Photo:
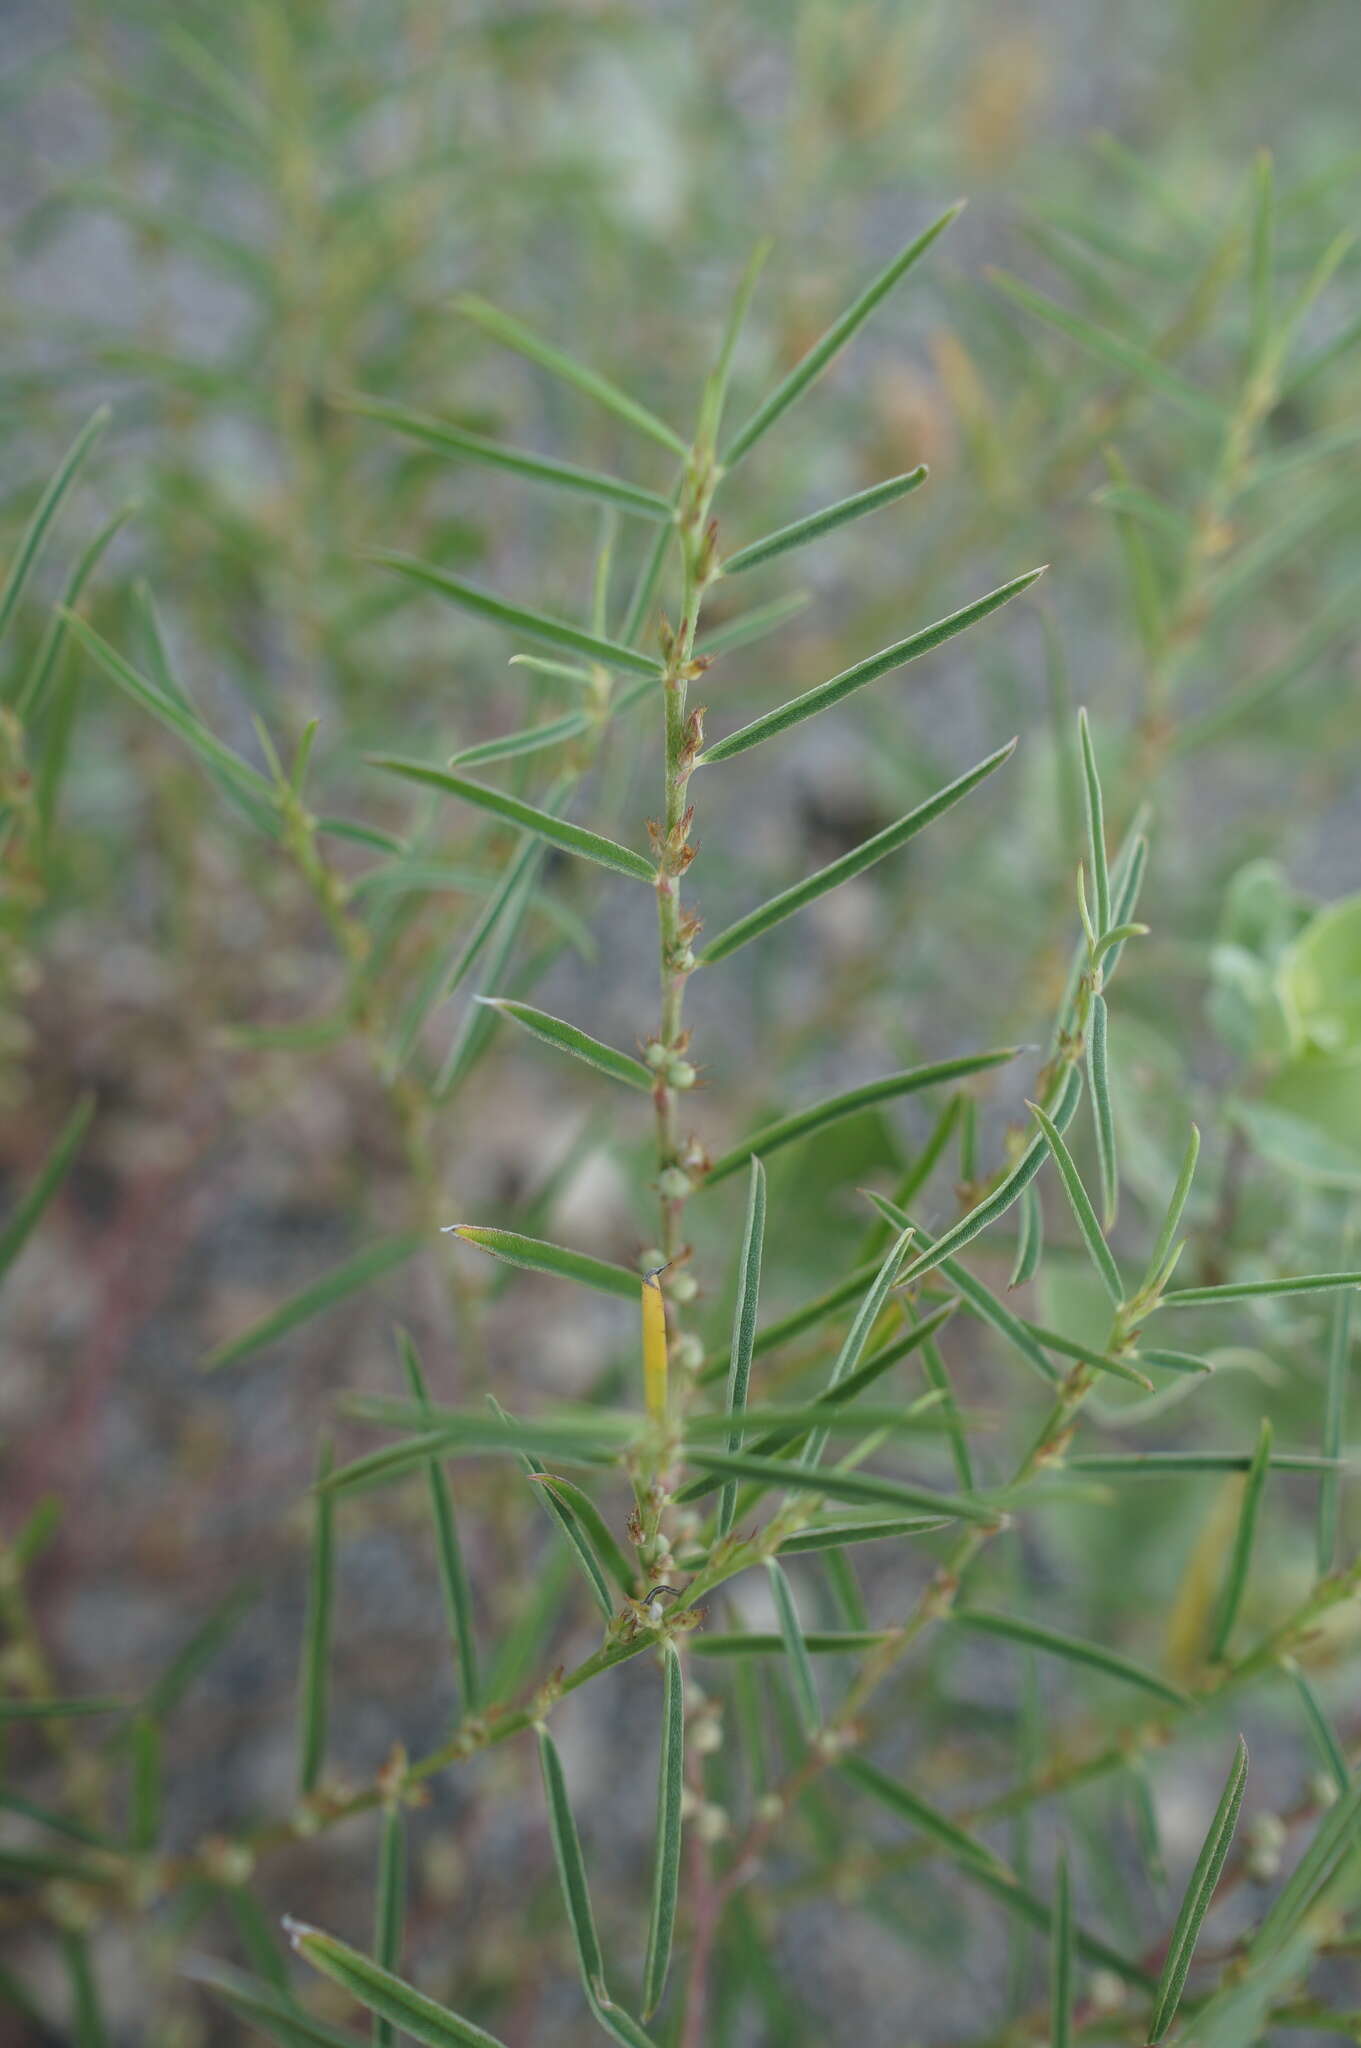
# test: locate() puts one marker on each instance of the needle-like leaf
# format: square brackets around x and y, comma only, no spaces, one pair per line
[791,1635]
[538,1257]
[769,914]
[554,732]
[802,531]
[1168,1232]
[389,1909]
[744,1327]
[762,1143]
[666,1868]
[796,1477]
[1061,1961]
[889,1792]
[1114,350]
[811,365]
[1081,1206]
[829,693]
[1199,1894]
[537,626]
[268,2007]
[1334,1419]
[453,1575]
[577,1898]
[338,1285]
[983,1622]
[1259,1290]
[409,2010]
[513,333]
[1096,827]
[1241,1555]
[556,831]
[564,1037]
[316,1649]
[565,476]
[1103,1116]
[46,511]
[1029,1239]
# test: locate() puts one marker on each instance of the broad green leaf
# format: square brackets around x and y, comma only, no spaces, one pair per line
[811,365]
[537,626]
[568,1038]
[1115,350]
[589,483]
[577,1898]
[1103,1117]
[376,1989]
[791,1635]
[389,1909]
[829,693]
[802,531]
[316,1646]
[20,1223]
[513,334]
[1199,1894]
[1241,1555]
[1254,1290]
[46,511]
[556,831]
[890,1793]
[1008,1191]
[268,2007]
[796,1477]
[666,1867]
[1096,827]
[769,914]
[1082,1208]
[1061,1962]
[453,1575]
[538,1257]
[555,732]
[338,1285]
[744,1327]
[762,1143]
[1055,1644]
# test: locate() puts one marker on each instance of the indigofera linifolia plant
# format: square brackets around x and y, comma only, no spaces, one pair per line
[761,1462]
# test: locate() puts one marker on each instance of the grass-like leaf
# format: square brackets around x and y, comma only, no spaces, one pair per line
[1103,1116]
[513,334]
[533,739]
[829,693]
[797,1477]
[1082,1208]
[268,2007]
[577,1898]
[1172,1218]
[1034,1637]
[769,914]
[335,1286]
[755,624]
[1199,1893]
[1334,1420]
[1029,1240]
[1061,1961]
[1259,1290]
[540,469]
[314,1688]
[1241,1555]
[802,531]
[532,625]
[1330,1750]
[46,511]
[57,1710]
[858,1336]
[596,1529]
[1164,1464]
[544,825]
[453,1574]
[975,1296]
[762,1143]
[564,1037]
[378,1991]
[1096,827]
[811,365]
[23,1218]
[945,1833]
[33,684]
[536,1256]
[791,1635]
[836,1642]
[1115,350]
[389,1909]
[744,1327]
[797,1323]
[666,1867]
[831,1535]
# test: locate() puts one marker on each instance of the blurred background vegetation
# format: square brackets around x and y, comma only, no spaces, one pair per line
[226,222]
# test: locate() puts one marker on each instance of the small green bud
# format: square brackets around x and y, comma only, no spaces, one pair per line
[683,1288]
[651,1259]
[681,1074]
[689,1356]
[655,1053]
[674,1184]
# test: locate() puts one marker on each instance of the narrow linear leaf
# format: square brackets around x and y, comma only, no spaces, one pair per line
[844,1642]
[744,1328]
[389,1909]
[378,1991]
[980,1621]
[536,1256]
[840,1485]
[541,469]
[268,2007]
[1168,1232]
[568,1038]
[977,1298]
[453,1574]
[1103,1116]
[555,732]
[336,1286]
[1082,1208]
[1199,1894]
[939,1379]
[832,1535]
[762,1143]
[858,1336]
[596,1528]
[1061,1962]
[536,626]
[46,511]
[797,1323]
[577,1898]
[791,1635]
[864,856]
[802,531]
[902,651]
[1320,1727]
[23,1218]
[476,1026]
[811,365]
[57,1710]
[1096,827]
[1333,1838]
[666,1869]
[1173,1361]
[1254,1290]
[1163,1464]
[316,1649]
[1114,350]
[33,686]
[756,624]
[557,831]
[890,1793]
[513,334]
[1029,1240]
[1241,1555]
[1334,1422]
